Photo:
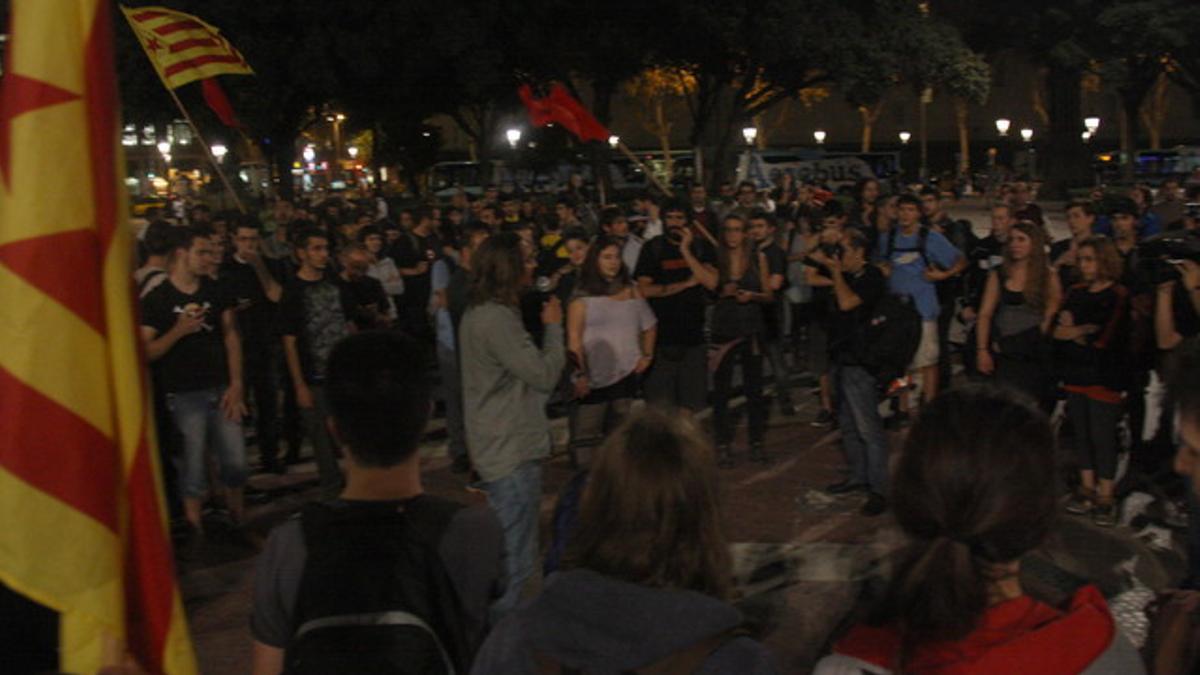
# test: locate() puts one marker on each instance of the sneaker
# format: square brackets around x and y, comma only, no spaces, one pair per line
[823,419]
[725,456]
[1080,503]
[1104,514]
[899,386]
[876,504]
[845,487]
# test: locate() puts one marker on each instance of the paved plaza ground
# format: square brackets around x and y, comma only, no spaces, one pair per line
[803,557]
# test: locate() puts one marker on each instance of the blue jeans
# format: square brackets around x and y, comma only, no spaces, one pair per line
[516,500]
[201,423]
[863,438]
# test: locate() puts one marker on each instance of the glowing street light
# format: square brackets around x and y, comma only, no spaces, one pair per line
[352,151]
[614,141]
[750,134]
[1092,124]
[219,151]
[309,154]
[1087,136]
[514,137]
[1027,135]
[1002,126]
[905,137]
[164,147]
[819,135]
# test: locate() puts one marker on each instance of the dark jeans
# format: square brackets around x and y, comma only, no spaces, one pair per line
[456,432]
[1095,426]
[749,355]
[169,445]
[779,373]
[262,384]
[679,377]
[863,438]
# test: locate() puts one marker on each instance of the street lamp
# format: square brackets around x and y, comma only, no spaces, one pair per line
[352,151]
[819,135]
[164,147]
[1002,126]
[514,137]
[1027,135]
[309,154]
[1092,124]
[219,151]
[614,141]
[905,137]
[750,133]
[1087,136]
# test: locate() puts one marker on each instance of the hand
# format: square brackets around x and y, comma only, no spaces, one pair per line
[582,387]
[1066,319]
[1166,287]
[818,256]
[729,290]
[304,397]
[233,403]
[422,267]
[934,275]
[685,238]
[984,362]
[744,297]
[552,312]
[1191,273]
[886,268]
[187,323]
[252,256]
[643,364]
[691,281]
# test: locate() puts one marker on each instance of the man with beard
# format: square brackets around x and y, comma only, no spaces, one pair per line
[672,272]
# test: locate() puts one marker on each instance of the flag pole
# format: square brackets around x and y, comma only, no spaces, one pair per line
[662,188]
[207,152]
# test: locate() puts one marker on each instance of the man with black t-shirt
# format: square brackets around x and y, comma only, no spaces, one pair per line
[190,332]
[763,230]
[416,251]
[672,272]
[251,282]
[313,320]
[365,302]
[857,287]
[384,549]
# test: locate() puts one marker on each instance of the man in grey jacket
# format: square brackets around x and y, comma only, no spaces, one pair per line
[506,382]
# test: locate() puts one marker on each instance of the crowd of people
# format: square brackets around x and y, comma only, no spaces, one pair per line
[340,323]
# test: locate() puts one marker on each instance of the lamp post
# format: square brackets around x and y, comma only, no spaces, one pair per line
[514,137]
[352,151]
[1002,126]
[1092,124]
[905,137]
[1027,136]
[614,141]
[749,134]
[819,136]
[219,151]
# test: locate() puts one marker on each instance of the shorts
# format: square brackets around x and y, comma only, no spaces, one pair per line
[927,352]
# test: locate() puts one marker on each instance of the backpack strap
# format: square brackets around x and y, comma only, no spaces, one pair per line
[922,244]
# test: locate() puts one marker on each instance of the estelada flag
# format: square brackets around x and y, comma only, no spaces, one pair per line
[183,48]
[559,107]
[84,534]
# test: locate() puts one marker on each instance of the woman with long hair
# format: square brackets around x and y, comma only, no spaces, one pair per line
[647,572]
[737,335]
[610,339]
[1089,340]
[974,491]
[506,381]
[866,194]
[1019,304]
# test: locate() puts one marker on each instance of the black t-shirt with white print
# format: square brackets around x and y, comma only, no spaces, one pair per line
[196,361]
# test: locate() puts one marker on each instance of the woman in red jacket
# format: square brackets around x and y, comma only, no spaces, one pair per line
[975,491]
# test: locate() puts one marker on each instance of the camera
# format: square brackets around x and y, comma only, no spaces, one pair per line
[831,250]
[1159,255]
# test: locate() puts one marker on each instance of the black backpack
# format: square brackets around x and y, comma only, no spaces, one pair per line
[892,337]
[375,596]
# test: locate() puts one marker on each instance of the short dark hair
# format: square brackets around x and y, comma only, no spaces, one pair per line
[244,221]
[930,191]
[610,215]
[379,389]
[159,238]
[674,205]
[761,214]
[1084,205]
[575,233]
[184,237]
[369,231]
[1125,206]
[856,239]
[300,239]
[908,198]
[422,213]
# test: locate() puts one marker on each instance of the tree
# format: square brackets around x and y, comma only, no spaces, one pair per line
[968,79]
[660,91]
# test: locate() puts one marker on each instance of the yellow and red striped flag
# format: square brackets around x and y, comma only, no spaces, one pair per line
[84,532]
[183,48]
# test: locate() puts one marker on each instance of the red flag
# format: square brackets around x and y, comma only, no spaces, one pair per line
[215,97]
[559,107]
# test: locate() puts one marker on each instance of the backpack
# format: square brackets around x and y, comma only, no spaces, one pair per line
[892,337]
[375,596]
[922,245]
